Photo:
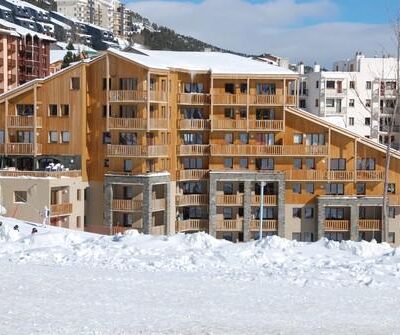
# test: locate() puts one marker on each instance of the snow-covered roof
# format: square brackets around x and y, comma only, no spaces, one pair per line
[24,31]
[57,55]
[27,5]
[77,46]
[61,24]
[215,62]
[5,8]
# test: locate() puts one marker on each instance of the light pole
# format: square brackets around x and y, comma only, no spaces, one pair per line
[261,209]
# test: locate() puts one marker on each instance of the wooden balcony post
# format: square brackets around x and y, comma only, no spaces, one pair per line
[248,104]
[355,160]
[34,120]
[211,101]
[107,92]
[148,100]
[284,93]
[6,140]
[329,154]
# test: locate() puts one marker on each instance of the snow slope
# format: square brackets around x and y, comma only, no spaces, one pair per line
[63,282]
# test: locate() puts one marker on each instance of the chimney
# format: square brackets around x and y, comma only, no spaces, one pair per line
[317,67]
[300,68]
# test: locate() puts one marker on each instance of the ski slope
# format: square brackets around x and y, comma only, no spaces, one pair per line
[63,282]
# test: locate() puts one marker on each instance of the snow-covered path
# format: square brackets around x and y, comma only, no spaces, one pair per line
[73,283]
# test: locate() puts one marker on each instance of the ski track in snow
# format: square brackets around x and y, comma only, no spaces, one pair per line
[63,282]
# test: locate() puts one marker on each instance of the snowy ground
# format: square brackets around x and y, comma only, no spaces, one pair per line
[63,282]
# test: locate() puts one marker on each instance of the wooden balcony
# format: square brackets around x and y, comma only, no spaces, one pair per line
[230,99]
[193,149]
[267,100]
[291,100]
[192,200]
[369,225]
[158,124]
[127,123]
[158,96]
[158,230]
[192,225]
[126,205]
[269,200]
[141,151]
[192,174]
[266,125]
[268,150]
[193,99]
[17,121]
[340,175]
[158,204]
[228,124]
[194,124]
[370,175]
[230,225]
[60,209]
[230,200]
[127,96]
[337,225]
[41,174]
[268,225]
[23,149]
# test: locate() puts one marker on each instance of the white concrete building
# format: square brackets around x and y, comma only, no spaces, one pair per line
[358,94]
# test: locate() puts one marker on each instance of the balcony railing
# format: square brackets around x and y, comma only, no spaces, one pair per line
[230,99]
[230,200]
[60,209]
[230,225]
[158,204]
[158,124]
[268,150]
[127,123]
[193,99]
[369,225]
[264,99]
[268,225]
[193,149]
[23,149]
[266,125]
[370,175]
[192,174]
[227,124]
[192,200]
[132,96]
[193,124]
[137,150]
[17,121]
[126,205]
[291,100]
[158,230]
[41,174]
[337,225]
[158,96]
[269,200]
[192,225]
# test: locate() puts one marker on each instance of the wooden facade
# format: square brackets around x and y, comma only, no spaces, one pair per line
[167,150]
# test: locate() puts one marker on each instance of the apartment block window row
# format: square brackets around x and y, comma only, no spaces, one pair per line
[62,110]
[56,137]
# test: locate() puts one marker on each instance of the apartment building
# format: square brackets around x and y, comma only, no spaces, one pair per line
[199,141]
[358,94]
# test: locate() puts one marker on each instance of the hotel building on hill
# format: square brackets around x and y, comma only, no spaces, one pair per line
[167,142]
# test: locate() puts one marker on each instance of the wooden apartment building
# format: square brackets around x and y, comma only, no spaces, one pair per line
[182,142]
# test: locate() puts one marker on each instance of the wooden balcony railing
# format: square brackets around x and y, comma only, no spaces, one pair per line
[291,100]
[268,150]
[337,225]
[230,225]
[370,175]
[229,99]
[158,124]
[131,96]
[266,125]
[60,209]
[340,175]
[192,225]
[369,225]
[126,205]
[158,204]
[192,174]
[227,124]
[23,149]
[41,174]
[192,200]
[306,175]
[193,99]
[137,150]
[193,124]
[269,200]
[264,99]
[17,121]
[127,123]
[158,230]
[158,96]
[268,225]
[193,149]
[230,200]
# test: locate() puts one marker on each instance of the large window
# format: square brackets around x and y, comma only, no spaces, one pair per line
[230,88]
[335,188]
[265,139]
[20,196]
[365,164]
[127,111]
[228,188]
[334,213]
[330,84]
[338,164]
[268,213]
[315,139]
[228,213]
[330,102]
[229,113]
[192,113]
[192,163]
[310,163]
[24,136]
[194,88]
[53,137]
[192,138]
[128,84]
[265,163]
[266,88]
[265,114]
[25,110]
[193,187]
[75,83]
[128,138]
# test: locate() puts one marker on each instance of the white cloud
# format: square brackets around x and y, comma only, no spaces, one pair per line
[281,27]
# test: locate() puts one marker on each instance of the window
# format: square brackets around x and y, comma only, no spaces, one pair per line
[75,83]
[229,113]
[194,187]
[265,139]
[368,85]
[65,136]
[317,85]
[338,164]
[243,163]
[266,89]
[316,102]
[365,164]
[360,188]
[127,165]
[296,188]
[243,88]
[229,138]
[330,102]
[265,114]
[243,113]
[78,222]
[335,188]
[296,212]
[53,110]
[107,137]
[351,102]
[297,163]
[308,212]
[2,136]
[78,195]
[296,236]
[334,213]
[310,188]
[391,237]
[228,188]
[191,138]
[230,88]
[298,138]
[392,212]
[53,137]
[302,105]
[192,163]
[351,121]
[241,187]
[126,84]
[105,83]
[352,84]
[310,163]
[244,138]
[367,121]
[105,111]
[64,110]
[20,196]
[228,163]
[106,163]
[330,84]
[315,139]
[265,163]
[228,213]
[127,138]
